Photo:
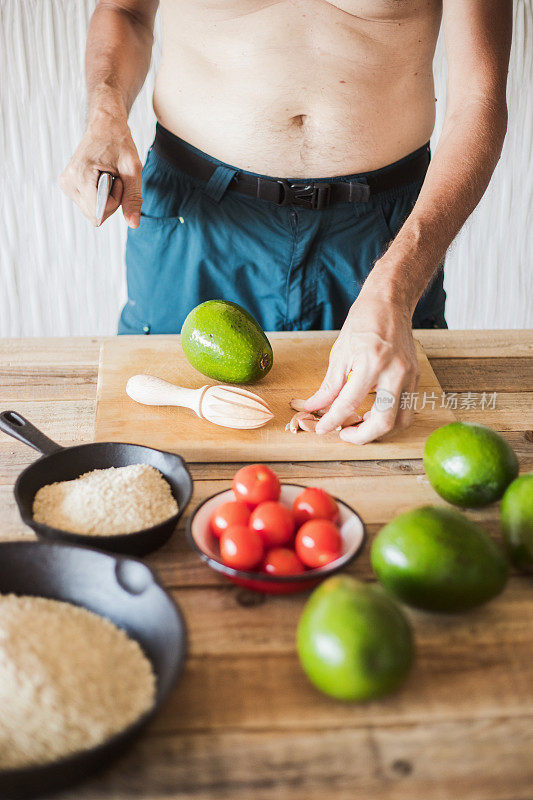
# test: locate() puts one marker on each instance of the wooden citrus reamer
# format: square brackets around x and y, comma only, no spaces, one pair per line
[229,406]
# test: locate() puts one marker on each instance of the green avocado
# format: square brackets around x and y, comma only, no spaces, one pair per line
[354,642]
[223,341]
[516,513]
[438,560]
[469,464]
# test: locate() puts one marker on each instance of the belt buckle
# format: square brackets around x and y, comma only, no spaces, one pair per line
[308,195]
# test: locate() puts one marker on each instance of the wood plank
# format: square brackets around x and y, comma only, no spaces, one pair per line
[66,421]
[12,528]
[220,624]
[48,369]
[476,343]
[292,470]
[298,364]
[513,411]
[33,383]
[50,352]
[207,698]
[484,374]
[400,762]
[436,343]
[14,457]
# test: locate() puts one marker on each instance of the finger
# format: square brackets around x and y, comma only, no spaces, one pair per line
[80,186]
[130,172]
[87,192]
[347,402]
[329,389]
[114,199]
[381,419]
[406,414]
[67,184]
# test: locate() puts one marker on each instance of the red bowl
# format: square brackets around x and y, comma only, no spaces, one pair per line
[206,545]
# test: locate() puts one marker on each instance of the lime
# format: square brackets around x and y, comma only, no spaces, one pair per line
[469,464]
[437,559]
[354,642]
[517,522]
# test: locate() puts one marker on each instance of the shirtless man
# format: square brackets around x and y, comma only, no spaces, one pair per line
[289,168]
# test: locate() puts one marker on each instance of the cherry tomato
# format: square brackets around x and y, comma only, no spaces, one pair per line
[228,514]
[314,503]
[282,561]
[273,522]
[255,484]
[318,542]
[241,547]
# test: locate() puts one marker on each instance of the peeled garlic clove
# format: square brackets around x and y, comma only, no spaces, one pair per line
[293,425]
[307,424]
[303,420]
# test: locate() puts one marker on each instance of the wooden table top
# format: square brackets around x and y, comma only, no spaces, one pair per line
[244,723]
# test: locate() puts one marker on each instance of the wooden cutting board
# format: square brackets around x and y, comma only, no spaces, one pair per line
[300,360]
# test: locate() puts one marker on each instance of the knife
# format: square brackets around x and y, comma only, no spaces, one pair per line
[105,182]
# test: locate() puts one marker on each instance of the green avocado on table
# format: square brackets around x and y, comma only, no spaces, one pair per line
[354,642]
[516,512]
[223,341]
[436,559]
[469,464]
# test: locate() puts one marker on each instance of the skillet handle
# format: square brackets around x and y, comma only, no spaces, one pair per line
[18,427]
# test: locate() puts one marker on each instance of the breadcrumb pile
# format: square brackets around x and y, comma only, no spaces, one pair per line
[106,501]
[69,680]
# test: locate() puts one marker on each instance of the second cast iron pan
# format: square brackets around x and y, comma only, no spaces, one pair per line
[129,594]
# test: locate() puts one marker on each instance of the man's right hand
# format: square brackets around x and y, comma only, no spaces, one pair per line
[107,146]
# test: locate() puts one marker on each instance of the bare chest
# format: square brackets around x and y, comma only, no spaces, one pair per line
[396,25]
[364,10]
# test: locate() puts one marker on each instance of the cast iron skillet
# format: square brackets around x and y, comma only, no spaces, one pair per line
[66,463]
[127,592]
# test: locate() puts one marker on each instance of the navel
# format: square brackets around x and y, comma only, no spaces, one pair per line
[299,119]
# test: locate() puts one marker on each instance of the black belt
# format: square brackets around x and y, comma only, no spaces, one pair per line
[315,194]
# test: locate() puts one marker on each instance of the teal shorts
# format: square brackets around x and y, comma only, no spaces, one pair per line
[293,268]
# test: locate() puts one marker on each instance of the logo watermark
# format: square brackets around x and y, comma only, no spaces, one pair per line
[454,401]
[463,401]
[384,400]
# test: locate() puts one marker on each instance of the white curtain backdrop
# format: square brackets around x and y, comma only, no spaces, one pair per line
[59,276]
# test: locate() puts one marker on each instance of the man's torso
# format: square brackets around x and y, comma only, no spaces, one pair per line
[299,88]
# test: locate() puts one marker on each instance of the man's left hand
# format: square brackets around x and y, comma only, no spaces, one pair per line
[376,345]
